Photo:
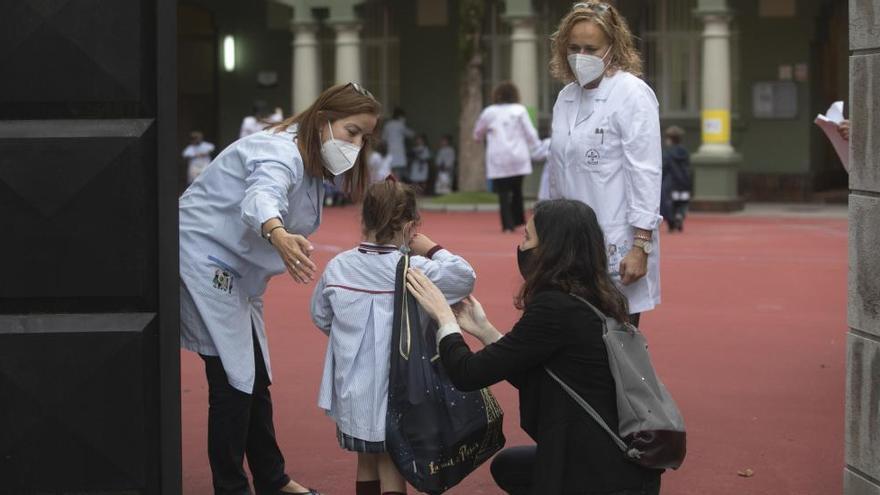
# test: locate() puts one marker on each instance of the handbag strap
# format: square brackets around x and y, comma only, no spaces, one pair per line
[587,407]
[594,308]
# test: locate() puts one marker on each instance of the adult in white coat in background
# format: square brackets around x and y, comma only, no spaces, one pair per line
[260,119]
[197,155]
[243,221]
[510,137]
[605,145]
[395,133]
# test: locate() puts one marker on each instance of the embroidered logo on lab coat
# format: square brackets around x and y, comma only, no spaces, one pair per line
[592,157]
[222,281]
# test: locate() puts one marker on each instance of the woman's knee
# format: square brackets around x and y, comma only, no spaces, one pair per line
[512,469]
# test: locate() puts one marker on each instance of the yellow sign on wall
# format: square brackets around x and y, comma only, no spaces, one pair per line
[716,126]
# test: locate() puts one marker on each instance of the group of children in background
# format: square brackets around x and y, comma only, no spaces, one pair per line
[434,173]
[430,173]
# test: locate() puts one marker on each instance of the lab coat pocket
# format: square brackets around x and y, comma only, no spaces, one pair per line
[215,278]
[600,153]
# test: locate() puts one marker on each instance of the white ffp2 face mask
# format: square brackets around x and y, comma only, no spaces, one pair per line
[587,68]
[339,156]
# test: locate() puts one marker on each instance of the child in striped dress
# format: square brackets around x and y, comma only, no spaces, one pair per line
[353,303]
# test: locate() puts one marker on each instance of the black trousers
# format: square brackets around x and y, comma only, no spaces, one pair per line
[510,201]
[240,424]
[512,471]
[634,319]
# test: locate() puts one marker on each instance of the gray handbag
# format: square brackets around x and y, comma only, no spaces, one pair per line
[651,429]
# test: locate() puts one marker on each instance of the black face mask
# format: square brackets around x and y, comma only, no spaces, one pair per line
[524,259]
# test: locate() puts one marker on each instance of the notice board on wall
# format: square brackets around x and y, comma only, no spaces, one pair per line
[774,100]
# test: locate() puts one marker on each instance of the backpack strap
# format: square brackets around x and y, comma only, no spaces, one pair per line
[587,407]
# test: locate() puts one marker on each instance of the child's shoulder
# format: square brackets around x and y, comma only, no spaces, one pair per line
[353,260]
[341,259]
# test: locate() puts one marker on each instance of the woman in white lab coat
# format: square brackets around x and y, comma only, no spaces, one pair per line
[243,221]
[605,145]
[510,135]
[395,133]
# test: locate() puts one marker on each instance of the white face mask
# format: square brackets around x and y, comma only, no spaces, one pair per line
[587,68]
[339,156]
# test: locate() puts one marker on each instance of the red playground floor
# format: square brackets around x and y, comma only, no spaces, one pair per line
[750,338]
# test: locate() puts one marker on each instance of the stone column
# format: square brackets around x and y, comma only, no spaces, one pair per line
[348,53]
[523,51]
[524,69]
[861,476]
[305,65]
[716,162]
[348,40]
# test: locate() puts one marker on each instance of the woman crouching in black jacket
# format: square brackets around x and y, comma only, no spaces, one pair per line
[562,255]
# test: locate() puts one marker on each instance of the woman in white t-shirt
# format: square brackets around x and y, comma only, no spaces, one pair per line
[510,135]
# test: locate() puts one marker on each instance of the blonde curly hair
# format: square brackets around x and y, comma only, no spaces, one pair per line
[624,55]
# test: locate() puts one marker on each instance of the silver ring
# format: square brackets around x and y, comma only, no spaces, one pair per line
[296,262]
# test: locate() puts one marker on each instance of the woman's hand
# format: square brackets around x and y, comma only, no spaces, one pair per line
[633,266]
[429,297]
[295,250]
[843,129]
[470,315]
[472,319]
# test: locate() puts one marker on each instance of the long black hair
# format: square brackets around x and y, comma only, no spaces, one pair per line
[570,256]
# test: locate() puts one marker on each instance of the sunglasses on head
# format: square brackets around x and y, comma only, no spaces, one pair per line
[599,8]
[361,90]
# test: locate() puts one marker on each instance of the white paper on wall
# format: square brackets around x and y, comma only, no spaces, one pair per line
[830,124]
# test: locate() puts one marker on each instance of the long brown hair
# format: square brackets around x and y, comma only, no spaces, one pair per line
[388,206]
[624,55]
[570,256]
[336,102]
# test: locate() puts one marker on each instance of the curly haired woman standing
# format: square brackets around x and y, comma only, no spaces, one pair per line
[605,147]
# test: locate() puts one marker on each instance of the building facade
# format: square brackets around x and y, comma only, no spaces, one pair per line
[753,72]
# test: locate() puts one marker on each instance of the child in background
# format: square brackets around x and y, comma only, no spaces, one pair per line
[353,303]
[445,165]
[379,162]
[676,187]
[198,155]
[420,167]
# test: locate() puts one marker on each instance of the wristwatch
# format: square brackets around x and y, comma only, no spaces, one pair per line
[644,245]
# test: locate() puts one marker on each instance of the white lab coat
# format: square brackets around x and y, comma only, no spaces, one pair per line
[198,157]
[540,154]
[509,136]
[394,133]
[609,156]
[251,125]
[380,166]
[225,264]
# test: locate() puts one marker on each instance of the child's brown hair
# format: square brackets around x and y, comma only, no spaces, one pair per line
[388,206]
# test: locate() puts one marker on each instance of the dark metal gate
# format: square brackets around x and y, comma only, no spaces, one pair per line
[89,359]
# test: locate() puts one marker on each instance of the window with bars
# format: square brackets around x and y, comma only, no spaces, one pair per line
[671,45]
[381,54]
